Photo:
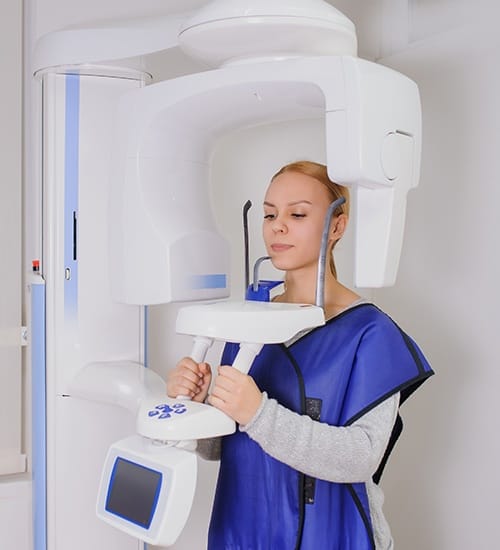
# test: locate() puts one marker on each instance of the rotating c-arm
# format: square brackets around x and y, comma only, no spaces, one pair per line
[164,134]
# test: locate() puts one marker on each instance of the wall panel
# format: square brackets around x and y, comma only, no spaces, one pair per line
[11,459]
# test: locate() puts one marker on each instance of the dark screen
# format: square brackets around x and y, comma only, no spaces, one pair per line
[133,492]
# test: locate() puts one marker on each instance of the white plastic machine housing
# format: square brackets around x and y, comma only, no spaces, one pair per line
[160,167]
[225,31]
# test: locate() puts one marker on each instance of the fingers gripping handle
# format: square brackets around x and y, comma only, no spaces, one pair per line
[201,346]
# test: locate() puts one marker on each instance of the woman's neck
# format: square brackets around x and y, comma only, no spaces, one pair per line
[300,288]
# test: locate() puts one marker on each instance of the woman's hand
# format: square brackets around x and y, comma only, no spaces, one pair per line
[235,394]
[189,379]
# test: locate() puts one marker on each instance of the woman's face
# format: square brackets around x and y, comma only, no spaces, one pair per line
[295,206]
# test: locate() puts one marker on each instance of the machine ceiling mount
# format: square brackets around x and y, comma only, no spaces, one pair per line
[235,31]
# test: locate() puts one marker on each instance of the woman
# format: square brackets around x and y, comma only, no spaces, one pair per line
[317,416]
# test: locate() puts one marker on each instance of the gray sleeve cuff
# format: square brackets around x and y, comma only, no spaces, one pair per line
[248,427]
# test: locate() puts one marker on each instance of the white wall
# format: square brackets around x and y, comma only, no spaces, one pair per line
[442,482]
[15,497]
[15,514]
[11,458]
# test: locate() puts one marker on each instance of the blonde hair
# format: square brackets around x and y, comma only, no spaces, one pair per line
[320,173]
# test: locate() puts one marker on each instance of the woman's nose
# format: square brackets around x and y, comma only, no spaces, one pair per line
[278,225]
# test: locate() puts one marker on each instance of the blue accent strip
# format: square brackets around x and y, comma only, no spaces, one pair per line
[145,546]
[39,416]
[71,181]
[199,282]
[145,333]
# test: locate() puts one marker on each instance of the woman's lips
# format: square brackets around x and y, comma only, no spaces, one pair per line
[280,247]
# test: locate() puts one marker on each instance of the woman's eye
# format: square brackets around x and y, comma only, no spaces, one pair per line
[298,215]
[269,217]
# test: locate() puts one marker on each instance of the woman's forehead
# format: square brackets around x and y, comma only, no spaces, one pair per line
[293,187]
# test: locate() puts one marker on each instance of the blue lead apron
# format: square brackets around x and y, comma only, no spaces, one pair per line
[335,374]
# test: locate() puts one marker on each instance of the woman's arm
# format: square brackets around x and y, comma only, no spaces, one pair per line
[343,455]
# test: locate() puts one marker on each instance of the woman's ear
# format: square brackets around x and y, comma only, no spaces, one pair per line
[338,227]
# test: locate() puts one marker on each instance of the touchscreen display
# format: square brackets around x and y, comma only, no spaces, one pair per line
[133,492]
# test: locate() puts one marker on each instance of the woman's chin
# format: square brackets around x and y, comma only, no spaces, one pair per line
[282,264]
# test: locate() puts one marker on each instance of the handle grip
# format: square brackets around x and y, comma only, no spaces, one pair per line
[246,354]
[201,346]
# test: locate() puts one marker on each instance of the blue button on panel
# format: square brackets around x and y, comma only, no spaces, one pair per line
[163,411]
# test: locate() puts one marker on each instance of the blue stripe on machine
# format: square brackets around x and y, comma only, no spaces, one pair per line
[71,181]
[199,282]
[39,428]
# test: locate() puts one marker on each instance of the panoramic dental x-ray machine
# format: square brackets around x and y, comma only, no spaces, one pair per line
[273,61]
